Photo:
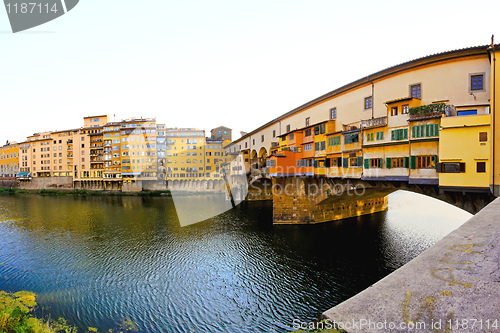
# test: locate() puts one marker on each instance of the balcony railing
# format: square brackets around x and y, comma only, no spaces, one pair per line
[375,122]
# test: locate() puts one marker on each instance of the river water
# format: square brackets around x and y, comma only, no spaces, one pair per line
[100,261]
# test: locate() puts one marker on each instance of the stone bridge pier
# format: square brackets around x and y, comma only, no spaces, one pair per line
[308,200]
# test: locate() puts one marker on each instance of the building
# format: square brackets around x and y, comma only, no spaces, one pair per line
[221,133]
[420,122]
[9,160]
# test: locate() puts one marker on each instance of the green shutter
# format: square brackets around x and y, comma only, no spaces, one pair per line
[413,162]
[360,161]
[388,163]
[381,159]
[405,131]
[345,162]
[367,163]
[413,131]
[435,161]
[315,163]
[436,129]
[406,162]
[393,135]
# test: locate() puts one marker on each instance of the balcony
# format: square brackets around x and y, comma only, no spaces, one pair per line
[375,122]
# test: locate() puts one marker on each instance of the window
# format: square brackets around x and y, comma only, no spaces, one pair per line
[481,167]
[394,111]
[253,142]
[399,134]
[288,128]
[368,102]
[423,162]
[369,137]
[405,108]
[308,121]
[483,136]
[333,113]
[322,129]
[451,167]
[308,147]
[373,163]
[262,138]
[424,131]
[308,132]
[380,135]
[476,82]
[351,138]
[290,137]
[274,133]
[335,141]
[416,91]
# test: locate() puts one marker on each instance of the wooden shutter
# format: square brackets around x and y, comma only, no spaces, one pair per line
[406,162]
[360,161]
[345,162]
[327,163]
[388,163]
[413,162]
[367,163]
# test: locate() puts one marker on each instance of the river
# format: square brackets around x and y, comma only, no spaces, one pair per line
[98,261]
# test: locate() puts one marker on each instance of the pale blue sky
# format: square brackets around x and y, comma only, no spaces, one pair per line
[209,63]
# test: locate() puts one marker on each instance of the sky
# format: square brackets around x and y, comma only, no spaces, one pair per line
[205,64]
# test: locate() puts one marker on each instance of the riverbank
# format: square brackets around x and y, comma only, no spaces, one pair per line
[83,192]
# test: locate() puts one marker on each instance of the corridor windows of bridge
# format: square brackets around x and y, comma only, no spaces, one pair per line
[274,134]
[308,121]
[476,82]
[287,128]
[416,90]
[368,102]
[483,136]
[394,111]
[480,167]
[399,134]
[262,138]
[333,113]
[253,142]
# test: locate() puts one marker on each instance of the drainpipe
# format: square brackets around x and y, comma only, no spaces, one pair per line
[373,98]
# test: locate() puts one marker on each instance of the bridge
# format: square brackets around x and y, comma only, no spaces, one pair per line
[427,126]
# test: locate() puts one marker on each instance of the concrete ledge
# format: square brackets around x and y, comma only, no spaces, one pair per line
[457,281]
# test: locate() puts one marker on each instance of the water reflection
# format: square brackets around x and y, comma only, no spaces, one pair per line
[97,260]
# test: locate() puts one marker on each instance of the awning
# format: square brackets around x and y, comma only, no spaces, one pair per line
[24,174]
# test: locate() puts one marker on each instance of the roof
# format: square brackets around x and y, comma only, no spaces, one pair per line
[104,115]
[430,59]
[400,100]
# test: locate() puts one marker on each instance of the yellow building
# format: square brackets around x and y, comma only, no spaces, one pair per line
[9,160]
[464,153]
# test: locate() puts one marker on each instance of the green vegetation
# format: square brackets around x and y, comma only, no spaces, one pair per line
[427,110]
[15,317]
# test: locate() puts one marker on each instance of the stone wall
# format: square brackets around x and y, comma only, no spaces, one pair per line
[52,183]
